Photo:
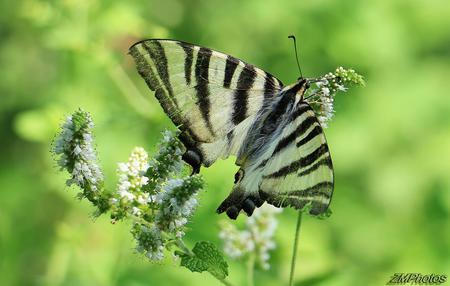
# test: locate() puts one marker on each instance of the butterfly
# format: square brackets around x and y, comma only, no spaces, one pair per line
[224,106]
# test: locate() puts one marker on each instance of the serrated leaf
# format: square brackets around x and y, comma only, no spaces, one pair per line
[193,263]
[206,257]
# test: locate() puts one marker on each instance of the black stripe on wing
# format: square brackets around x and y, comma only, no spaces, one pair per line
[157,54]
[300,163]
[300,130]
[230,67]
[269,87]
[301,108]
[318,195]
[319,189]
[273,119]
[187,62]
[240,101]
[202,88]
[316,131]
[271,123]
[322,162]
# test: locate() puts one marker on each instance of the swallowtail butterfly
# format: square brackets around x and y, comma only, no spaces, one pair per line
[224,106]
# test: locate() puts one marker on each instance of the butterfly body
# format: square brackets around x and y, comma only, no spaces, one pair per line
[268,121]
[224,106]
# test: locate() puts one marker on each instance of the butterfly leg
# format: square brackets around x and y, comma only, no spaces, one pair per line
[192,158]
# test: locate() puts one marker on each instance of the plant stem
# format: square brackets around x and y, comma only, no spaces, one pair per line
[183,247]
[250,269]
[224,282]
[294,251]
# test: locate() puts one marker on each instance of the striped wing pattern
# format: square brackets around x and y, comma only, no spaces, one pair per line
[299,170]
[212,97]
[295,170]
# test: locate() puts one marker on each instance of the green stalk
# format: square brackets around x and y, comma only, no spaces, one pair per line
[183,247]
[251,269]
[294,251]
[224,282]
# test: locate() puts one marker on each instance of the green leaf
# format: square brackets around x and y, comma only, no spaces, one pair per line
[205,257]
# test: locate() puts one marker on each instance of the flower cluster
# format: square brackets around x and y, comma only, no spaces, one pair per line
[236,242]
[177,203]
[321,95]
[154,193]
[167,217]
[76,155]
[149,241]
[155,197]
[130,197]
[256,238]
[167,161]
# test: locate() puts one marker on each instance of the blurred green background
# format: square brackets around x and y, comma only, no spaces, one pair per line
[390,141]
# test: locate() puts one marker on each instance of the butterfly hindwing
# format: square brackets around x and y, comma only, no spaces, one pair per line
[300,170]
[294,169]
[212,97]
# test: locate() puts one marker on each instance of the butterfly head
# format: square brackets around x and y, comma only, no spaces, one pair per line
[306,82]
[301,86]
[298,88]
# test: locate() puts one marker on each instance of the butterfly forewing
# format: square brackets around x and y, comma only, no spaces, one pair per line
[206,93]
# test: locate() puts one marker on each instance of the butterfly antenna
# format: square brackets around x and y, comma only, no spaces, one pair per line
[296,55]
